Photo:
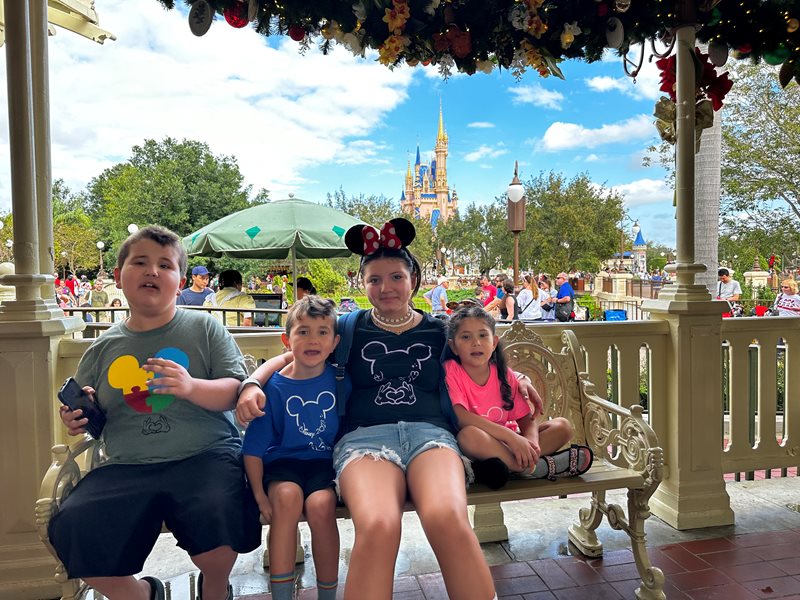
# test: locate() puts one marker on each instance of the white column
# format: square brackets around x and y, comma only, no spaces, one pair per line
[29,332]
[686,420]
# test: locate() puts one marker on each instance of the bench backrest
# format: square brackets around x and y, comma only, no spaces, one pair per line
[553,374]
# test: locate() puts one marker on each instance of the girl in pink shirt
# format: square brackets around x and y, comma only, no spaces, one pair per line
[485,396]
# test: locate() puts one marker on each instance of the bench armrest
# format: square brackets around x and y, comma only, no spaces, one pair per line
[616,434]
[63,475]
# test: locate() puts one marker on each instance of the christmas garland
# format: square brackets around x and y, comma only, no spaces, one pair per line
[479,35]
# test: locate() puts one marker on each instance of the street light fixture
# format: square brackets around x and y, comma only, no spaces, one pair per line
[516,214]
[64,257]
[133,228]
[101,246]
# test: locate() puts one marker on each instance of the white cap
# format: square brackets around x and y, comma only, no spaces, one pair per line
[441,279]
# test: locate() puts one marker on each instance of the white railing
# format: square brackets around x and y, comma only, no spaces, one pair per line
[756,353]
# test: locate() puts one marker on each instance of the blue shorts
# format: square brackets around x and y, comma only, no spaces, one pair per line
[399,443]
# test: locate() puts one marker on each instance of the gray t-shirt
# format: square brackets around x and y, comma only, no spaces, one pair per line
[726,290]
[144,427]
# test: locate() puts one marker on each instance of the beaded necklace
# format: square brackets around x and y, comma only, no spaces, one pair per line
[386,322]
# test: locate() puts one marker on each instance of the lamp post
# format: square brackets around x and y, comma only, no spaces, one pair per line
[443,261]
[10,245]
[516,215]
[635,231]
[100,247]
[133,228]
[64,258]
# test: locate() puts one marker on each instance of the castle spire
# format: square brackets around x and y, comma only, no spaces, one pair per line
[441,135]
[418,160]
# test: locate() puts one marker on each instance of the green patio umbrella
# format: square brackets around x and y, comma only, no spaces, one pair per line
[273,231]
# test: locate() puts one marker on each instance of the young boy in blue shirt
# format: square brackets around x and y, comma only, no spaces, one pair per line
[289,450]
[166,380]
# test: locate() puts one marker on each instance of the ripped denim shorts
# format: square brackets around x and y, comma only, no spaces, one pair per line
[398,442]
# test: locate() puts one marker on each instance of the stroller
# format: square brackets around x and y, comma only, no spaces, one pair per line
[347,305]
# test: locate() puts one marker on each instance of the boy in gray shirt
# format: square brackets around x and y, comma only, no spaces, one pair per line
[166,380]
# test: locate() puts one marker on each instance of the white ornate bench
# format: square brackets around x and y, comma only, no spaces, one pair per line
[627,456]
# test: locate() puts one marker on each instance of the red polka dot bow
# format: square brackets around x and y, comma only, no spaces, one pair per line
[385,238]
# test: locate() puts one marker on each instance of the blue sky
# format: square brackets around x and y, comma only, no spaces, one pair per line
[311,124]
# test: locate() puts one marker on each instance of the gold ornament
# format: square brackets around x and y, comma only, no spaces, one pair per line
[792,25]
[622,6]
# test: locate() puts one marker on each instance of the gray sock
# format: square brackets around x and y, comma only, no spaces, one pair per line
[282,586]
[326,590]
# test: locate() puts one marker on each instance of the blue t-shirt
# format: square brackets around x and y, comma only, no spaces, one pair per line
[437,294]
[301,420]
[189,297]
[566,290]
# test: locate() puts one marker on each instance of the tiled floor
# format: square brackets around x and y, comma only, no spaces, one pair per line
[741,567]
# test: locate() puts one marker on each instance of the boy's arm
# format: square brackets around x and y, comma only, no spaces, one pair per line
[254,467]
[251,397]
[211,394]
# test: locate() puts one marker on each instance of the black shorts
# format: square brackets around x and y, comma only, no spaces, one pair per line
[110,522]
[310,475]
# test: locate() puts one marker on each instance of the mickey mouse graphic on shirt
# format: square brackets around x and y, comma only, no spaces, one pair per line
[379,357]
[127,375]
[310,417]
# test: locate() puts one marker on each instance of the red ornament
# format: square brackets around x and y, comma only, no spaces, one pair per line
[745,48]
[602,9]
[297,33]
[236,15]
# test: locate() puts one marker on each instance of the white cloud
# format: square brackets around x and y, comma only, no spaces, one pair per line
[537,95]
[485,152]
[592,158]
[276,111]
[360,152]
[644,191]
[564,136]
[644,87]
[605,83]
[481,125]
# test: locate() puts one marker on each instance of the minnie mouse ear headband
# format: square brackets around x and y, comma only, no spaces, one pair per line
[393,235]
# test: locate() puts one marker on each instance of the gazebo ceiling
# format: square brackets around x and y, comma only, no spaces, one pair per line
[478,35]
[78,16]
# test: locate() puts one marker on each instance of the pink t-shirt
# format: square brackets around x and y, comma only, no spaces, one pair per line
[484,400]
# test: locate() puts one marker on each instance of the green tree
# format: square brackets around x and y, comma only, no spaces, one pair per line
[570,224]
[180,185]
[476,235]
[761,150]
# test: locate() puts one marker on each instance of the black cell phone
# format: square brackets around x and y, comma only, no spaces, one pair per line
[72,395]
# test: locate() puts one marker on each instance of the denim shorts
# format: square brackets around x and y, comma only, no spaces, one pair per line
[398,443]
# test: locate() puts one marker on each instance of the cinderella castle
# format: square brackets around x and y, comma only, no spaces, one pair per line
[427,195]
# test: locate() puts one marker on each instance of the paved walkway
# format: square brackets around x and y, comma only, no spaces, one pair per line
[759,557]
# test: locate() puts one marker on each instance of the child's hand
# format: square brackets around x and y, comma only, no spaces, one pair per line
[531,395]
[173,378]
[74,419]
[265,508]
[537,451]
[250,404]
[523,452]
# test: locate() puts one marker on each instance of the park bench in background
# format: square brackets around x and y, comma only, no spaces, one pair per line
[627,456]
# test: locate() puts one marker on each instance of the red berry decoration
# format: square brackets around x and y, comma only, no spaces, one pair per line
[602,9]
[236,15]
[297,33]
[745,48]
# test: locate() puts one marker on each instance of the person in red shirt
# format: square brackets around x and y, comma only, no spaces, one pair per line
[70,283]
[491,291]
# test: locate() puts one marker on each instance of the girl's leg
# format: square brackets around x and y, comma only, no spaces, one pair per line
[554,435]
[437,486]
[286,498]
[127,588]
[374,492]
[320,510]
[477,444]
[216,566]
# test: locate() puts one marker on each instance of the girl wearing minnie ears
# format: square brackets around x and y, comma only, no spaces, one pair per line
[399,428]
